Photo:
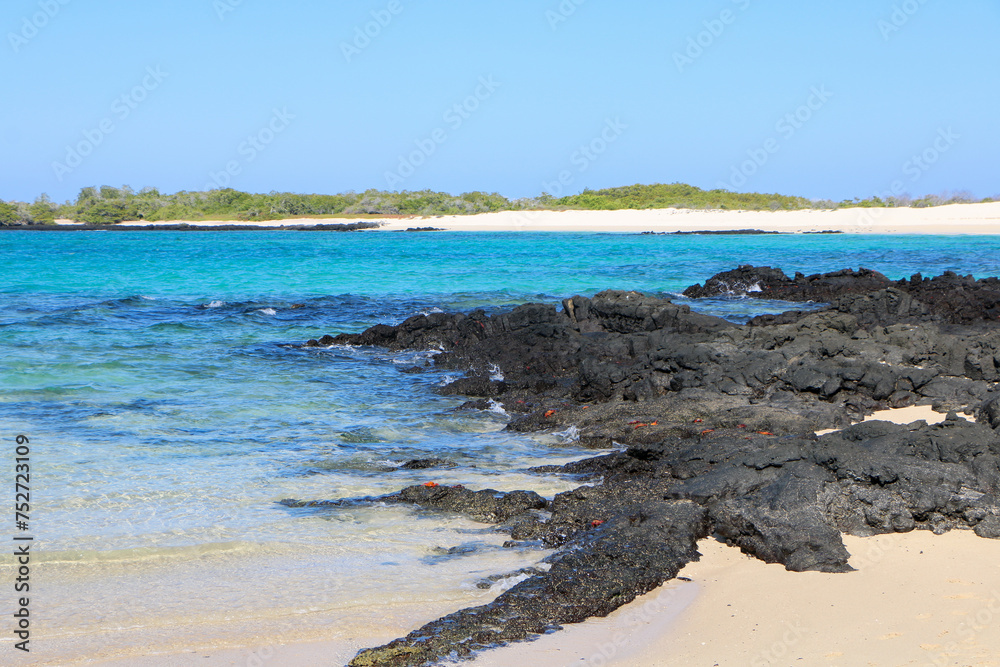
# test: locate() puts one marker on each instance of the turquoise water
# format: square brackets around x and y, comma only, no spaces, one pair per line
[288,264]
[168,407]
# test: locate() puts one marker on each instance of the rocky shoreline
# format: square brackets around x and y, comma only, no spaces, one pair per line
[717,423]
[186,227]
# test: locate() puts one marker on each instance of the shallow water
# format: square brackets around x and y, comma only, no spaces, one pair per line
[168,411]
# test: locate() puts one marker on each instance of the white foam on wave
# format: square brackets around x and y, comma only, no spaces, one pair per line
[572,434]
[447,380]
[507,583]
[147,298]
[435,309]
[414,357]
[496,407]
[495,373]
[268,311]
[216,304]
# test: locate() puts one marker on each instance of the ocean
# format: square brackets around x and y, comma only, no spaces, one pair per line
[158,377]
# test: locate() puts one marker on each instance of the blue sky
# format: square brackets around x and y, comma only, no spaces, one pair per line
[819,99]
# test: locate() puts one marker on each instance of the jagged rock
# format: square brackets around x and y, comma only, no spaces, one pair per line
[616,561]
[989,412]
[769,283]
[989,527]
[867,294]
[717,422]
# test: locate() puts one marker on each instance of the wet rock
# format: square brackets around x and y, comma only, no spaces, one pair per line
[768,283]
[485,505]
[424,464]
[493,579]
[616,561]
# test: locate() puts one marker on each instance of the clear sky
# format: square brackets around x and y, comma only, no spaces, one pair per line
[820,99]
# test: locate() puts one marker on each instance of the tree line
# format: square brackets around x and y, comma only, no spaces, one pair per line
[110,205]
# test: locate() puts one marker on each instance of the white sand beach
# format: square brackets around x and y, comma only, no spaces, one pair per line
[951,219]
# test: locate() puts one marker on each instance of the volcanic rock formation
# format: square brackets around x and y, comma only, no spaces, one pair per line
[717,423]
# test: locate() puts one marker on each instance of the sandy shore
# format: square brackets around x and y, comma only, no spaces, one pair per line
[952,219]
[914,599]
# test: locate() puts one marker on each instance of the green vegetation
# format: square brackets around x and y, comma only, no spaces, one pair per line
[8,214]
[960,197]
[109,205]
[677,195]
[43,211]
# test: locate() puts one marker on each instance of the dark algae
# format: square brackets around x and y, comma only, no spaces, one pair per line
[716,428]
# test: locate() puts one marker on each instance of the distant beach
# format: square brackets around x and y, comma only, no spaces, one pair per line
[983,218]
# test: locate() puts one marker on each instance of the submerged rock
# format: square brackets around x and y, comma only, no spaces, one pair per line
[423,464]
